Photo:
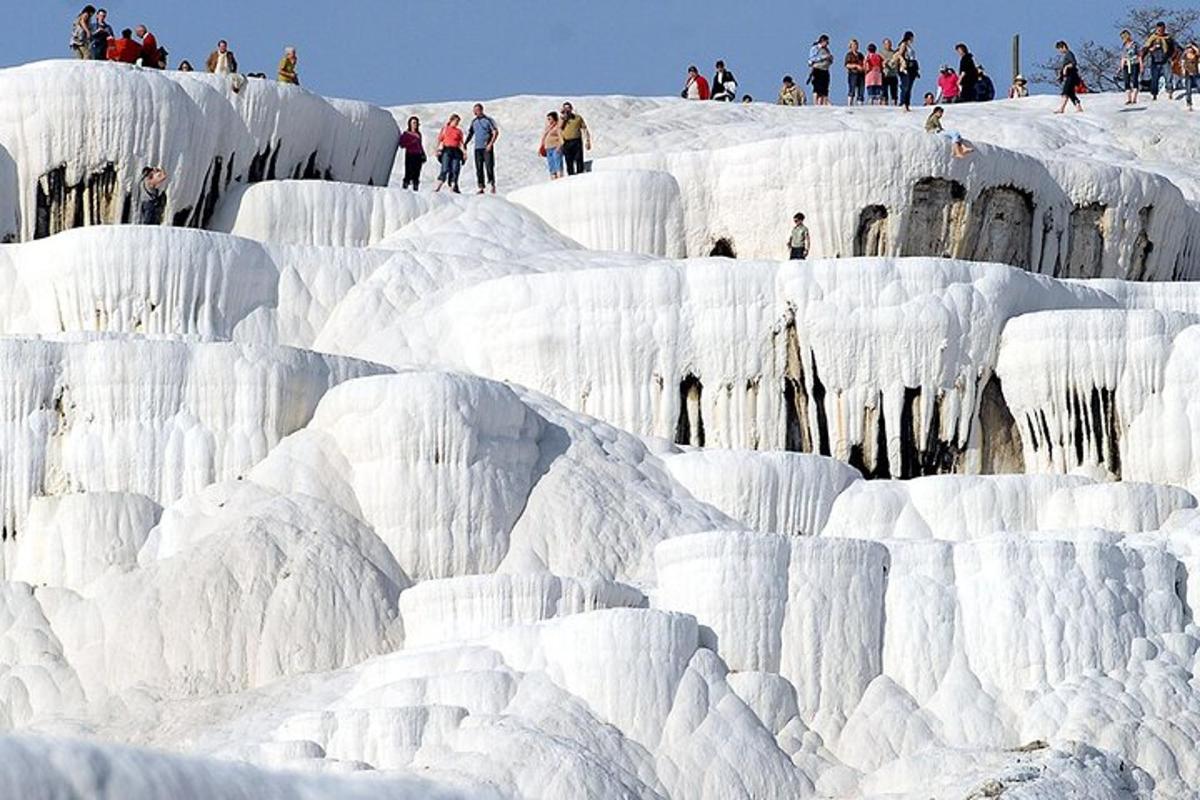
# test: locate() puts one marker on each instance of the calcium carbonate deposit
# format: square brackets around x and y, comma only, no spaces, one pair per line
[323,488]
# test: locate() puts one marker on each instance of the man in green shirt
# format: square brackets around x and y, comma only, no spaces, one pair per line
[798,241]
[575,136]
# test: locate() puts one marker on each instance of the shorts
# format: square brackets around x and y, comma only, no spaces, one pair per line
[554,160]
[820,82]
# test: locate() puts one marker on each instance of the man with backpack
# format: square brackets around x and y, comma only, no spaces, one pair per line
[1160,49]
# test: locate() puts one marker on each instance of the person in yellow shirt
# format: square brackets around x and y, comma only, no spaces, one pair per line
[287,67]
[575,138]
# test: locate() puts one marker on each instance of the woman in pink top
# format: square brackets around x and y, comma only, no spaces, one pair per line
[450,153]
[873,64]
[947,83]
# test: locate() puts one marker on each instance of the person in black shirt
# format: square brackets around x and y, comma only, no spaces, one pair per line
[968,74]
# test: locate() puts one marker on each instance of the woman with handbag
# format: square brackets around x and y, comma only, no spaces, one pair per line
[551,146]
[414,154]
[908,67]
[450,153]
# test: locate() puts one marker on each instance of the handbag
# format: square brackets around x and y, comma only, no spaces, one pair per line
[542,151]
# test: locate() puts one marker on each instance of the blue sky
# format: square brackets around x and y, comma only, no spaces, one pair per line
[398,51]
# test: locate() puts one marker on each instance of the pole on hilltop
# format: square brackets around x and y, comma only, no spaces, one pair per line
[1016,55]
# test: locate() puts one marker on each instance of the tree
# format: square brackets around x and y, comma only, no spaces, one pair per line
[1099,63]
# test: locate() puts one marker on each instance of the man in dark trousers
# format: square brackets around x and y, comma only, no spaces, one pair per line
[968,74]
[485,133]
[576,137]
[724,85]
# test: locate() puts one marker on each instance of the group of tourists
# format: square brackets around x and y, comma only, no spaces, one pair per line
[1161,59]
[93,39]
[885,74]
[564,139]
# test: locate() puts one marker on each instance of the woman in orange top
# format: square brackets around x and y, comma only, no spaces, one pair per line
[450,153]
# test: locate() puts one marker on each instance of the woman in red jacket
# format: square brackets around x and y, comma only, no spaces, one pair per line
[696,87]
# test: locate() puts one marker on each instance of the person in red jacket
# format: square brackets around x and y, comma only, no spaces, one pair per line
[151,55]
[125,49]
[696,87]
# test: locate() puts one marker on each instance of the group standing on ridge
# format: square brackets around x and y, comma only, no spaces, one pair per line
[93,39]
[563,142]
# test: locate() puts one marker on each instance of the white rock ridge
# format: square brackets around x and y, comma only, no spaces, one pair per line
[325,489]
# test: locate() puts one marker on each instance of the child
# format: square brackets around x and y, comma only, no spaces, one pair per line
[961,147]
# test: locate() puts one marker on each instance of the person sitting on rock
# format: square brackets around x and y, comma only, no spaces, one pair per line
[125,49]
[791,94]
[961,147]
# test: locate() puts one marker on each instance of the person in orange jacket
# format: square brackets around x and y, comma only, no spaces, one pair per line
[125,49]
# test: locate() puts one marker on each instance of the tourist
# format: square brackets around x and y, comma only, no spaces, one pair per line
[820,59]
[1068,76]
[151,53]
[1160,47]
[101,32]
[1189,66]
[747,99]
[985,90]
[222,60]
[968,74]
[550,147]
[450,153]
[81,33]
[186,66]
[891,78]
[724,85]
[1131,67]
[798,240]
[873,76]
[576,138]
[484,132]
[696,87]
[790,94]
[929,99]
[287,68]
[854,74]
[947,85]
[413,146]
[153,196]
[125,49]
[1019,88]
[908,67]
[960,147]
